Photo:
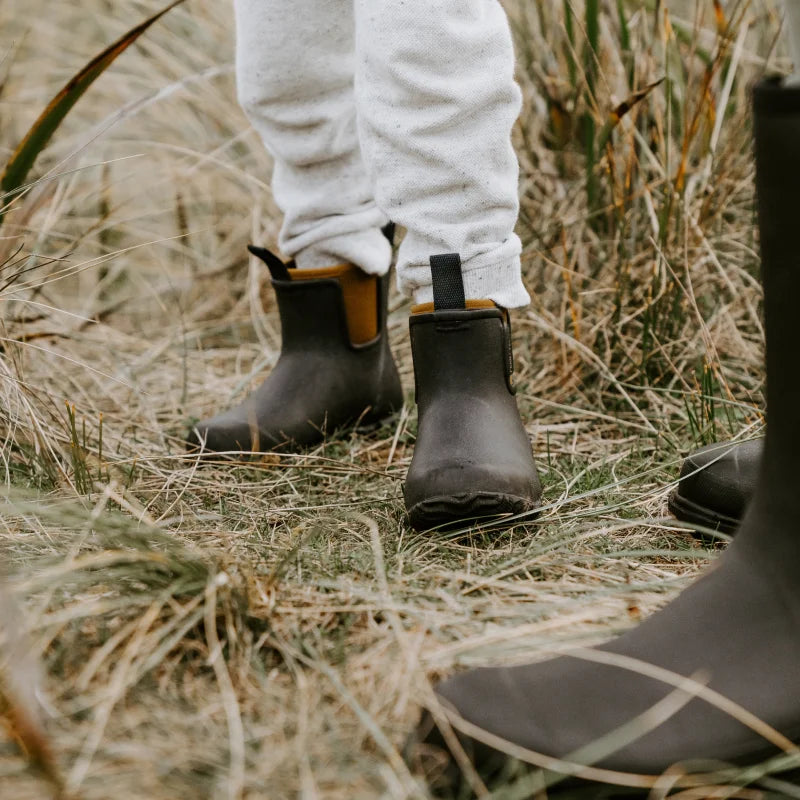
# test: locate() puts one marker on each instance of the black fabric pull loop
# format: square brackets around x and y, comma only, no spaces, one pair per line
[388,231]
[278,270]
[448,284]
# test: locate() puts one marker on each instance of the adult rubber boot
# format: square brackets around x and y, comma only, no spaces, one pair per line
[736,630]
[716,484]
[472,459]
[335,366]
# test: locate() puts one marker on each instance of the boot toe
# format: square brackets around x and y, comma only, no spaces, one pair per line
[483,698]
[225,434]
[458,492]
[717,483]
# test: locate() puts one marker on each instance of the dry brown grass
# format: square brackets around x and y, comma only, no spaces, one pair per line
[268,629]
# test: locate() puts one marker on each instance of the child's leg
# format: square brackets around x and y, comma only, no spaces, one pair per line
[294,62]
[436,102]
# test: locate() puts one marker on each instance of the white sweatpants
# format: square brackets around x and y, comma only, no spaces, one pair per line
[389,109]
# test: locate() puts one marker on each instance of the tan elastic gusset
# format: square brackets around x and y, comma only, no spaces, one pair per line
[319,272]
[360,293]
[428,308]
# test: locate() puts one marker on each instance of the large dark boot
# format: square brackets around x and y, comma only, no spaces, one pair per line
[335,366]
[737,629]
[472,459]
[716,484]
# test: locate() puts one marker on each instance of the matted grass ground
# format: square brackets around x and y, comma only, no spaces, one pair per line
[268,629]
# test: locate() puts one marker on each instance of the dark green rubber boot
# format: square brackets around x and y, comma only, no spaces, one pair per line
[472,459]
[716,484]
[335,367]
[686,686]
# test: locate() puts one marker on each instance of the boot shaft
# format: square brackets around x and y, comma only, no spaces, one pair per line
[769,533]
[317,310]
[466,351]
[777,153]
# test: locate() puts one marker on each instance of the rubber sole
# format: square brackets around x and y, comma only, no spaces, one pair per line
[499,773]
[696,514]
[444,511]
[525,785]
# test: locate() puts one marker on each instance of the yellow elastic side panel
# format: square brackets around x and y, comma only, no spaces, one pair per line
[428,308]
[319,272]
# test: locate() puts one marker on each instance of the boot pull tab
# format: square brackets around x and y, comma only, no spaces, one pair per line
[388,230]
[277,269]
[448,284]
[448,294]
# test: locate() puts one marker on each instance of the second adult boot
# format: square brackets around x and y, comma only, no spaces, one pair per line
[713,678]
[472,458]
[716,484]
[335,366]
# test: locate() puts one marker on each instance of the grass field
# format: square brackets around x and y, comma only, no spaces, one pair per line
[268,629]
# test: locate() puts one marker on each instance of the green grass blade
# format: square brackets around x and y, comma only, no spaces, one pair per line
[624,31]
[57,109]
[593,30]
[570,28]
[592,22]
[625,43]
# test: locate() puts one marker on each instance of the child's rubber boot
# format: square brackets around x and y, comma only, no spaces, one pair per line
[472,459]
[716,484]
[335,367]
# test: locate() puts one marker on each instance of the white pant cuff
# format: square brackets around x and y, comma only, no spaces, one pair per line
[501,283]
[369,250]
